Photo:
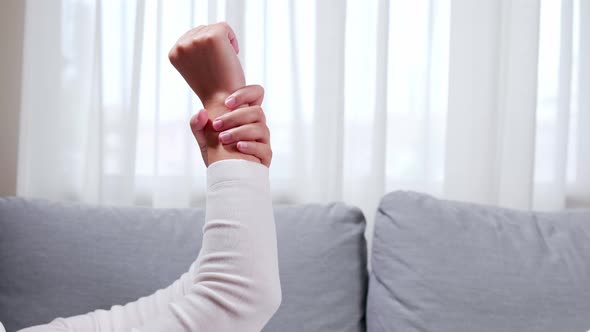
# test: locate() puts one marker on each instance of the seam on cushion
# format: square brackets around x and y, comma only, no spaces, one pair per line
[403,305]
[386,214]
[382,211]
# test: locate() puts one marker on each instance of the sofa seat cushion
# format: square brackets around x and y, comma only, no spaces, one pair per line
[62,259]
[450,267]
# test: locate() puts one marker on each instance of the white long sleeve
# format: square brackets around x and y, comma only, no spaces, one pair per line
[234,283]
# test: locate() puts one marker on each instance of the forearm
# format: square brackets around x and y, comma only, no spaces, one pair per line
[236,282]
[125,317]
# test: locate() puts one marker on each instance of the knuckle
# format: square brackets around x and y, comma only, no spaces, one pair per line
[204,38]
[177,51]
[173,55]
[219,29]
[210,35]
[181,47]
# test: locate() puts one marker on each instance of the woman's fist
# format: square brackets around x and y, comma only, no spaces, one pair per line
[206,57]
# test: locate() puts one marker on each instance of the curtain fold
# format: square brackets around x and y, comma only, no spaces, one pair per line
[482,101]
[377,176]
[93,180]
[582,183]
[133,98]
[492,102]
[328,125]
[517,102]
[564,91]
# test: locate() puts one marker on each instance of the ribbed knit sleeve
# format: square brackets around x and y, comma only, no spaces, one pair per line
[234,283]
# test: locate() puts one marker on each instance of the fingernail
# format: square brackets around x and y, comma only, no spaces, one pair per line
[242,145]
[225,136]
[217,124]
[230,102]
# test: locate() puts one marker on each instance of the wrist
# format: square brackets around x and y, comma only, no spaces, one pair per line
[216,103]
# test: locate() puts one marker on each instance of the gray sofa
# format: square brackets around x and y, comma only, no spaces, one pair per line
[436,265]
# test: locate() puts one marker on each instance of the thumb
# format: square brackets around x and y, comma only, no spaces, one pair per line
[198,123]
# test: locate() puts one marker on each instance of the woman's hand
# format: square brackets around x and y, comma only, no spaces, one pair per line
[206,57]
[244,127]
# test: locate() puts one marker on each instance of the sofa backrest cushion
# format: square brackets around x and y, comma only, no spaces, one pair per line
[62,259]
[448,266]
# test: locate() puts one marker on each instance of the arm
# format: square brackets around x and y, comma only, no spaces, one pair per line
[234,283]
[236,286]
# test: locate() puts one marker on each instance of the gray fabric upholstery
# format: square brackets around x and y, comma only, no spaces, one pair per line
[63,259]
[452,267]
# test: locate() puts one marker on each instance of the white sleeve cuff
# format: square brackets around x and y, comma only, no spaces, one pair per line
[236,170]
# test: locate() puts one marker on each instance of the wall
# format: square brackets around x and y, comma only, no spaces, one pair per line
[12,18]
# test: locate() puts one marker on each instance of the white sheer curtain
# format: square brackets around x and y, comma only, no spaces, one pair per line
[485,101]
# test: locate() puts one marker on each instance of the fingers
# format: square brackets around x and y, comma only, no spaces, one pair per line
[239,117]
[246,126]
[247,129]
[218,29]
[259,150]
[249,132]
[248,95]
